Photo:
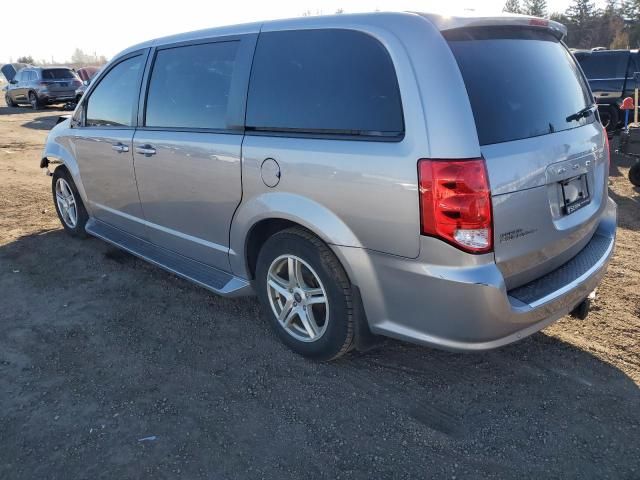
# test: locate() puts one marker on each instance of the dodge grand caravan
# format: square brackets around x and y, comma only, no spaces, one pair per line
[441,180]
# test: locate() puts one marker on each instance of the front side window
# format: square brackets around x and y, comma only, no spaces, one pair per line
[190,86]
[112,103]
[329,81]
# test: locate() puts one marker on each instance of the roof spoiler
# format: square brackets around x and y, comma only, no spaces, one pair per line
[443,22]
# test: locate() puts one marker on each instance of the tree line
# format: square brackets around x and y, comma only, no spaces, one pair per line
[79,58]
[617,25]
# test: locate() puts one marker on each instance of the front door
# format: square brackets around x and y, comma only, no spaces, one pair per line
[104,149]
[187,153]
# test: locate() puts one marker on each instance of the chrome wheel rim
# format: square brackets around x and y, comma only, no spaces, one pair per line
[297,298]
[66,203]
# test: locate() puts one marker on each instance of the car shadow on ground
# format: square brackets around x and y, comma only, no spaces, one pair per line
[4,110]
[108,364]
[46,122]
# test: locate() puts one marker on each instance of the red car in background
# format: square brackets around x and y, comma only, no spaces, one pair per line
[85,74]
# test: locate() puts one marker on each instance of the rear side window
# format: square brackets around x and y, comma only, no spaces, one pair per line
[604,65]
[521,83]
[328,81]
[190,86]
[114,99]
[57,74]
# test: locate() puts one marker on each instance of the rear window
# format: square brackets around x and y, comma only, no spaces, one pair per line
[329,81]
[521,83]
[57,74]
[605,65]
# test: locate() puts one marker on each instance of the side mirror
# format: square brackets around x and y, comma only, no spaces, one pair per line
[13,82]
[86,83]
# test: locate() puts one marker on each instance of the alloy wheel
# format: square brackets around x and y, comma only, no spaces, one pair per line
[66,203]
[297,298]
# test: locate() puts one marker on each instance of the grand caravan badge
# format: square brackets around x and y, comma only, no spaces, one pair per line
[515,234]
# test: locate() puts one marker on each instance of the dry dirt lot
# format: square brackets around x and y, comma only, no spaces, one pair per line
[111,368]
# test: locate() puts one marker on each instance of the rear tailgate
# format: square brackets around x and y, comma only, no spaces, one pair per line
[60,82]
[547,166]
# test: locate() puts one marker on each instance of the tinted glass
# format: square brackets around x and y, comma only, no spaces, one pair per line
[57,74]
[190,86]
[521,83]
[113,101]
[603,65]
[324,81]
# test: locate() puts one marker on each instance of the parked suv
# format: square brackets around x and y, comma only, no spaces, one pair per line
[611,76]
[357,172]
[38,86]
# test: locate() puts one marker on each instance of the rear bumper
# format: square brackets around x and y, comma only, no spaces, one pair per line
[468,308]
[57,97]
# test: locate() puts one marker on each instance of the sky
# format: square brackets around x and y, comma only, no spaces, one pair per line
[106,27]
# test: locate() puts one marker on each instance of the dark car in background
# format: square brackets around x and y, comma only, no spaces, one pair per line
[611,76]
[38,86]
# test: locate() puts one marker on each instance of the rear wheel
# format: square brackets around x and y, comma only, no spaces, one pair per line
[33,101]
[306,294]
[634,174]
[68,203]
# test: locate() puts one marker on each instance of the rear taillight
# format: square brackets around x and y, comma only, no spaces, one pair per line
[607,152]
[455,203]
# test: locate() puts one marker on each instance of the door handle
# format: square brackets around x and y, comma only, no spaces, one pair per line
[146,150]
[120,147]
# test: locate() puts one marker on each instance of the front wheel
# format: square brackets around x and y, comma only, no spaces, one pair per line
[68,203]
[306,294]
[9,101]
[634,174]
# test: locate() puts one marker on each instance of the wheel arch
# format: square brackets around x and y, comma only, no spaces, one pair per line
[266,214]
[55,154]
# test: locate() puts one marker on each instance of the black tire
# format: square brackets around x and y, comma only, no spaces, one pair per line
[9,101]
[82,217]
[33,101]
[338,336]
[634,174]
[610,117]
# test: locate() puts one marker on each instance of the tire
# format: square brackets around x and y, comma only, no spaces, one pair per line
[322,277]
[610,117]
[9,101]
[33,101]
[62,184]
[634,174]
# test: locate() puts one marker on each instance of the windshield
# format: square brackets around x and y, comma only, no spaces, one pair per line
[521,83]
[57,74]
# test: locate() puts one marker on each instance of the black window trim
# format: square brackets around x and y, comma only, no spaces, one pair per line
[337,134]
[82,108]
[237,93]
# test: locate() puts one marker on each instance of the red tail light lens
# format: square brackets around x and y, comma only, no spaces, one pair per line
[607,152]
[455,203]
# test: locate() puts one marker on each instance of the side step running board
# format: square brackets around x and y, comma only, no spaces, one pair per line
[208,277]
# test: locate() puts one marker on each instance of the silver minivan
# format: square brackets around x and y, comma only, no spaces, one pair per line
[441,180]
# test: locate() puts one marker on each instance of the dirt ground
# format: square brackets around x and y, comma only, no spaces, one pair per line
[112,368]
